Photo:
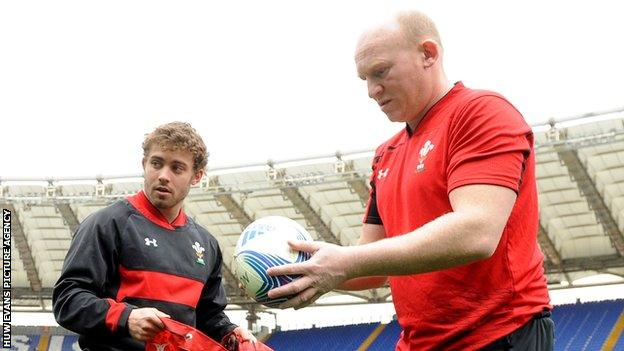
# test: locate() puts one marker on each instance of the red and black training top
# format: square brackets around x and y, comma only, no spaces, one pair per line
[128,256]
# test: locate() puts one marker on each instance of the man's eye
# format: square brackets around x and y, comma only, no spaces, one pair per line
[155,163]
[379,73]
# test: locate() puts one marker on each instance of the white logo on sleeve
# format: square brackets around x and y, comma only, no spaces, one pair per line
[382,173]
[160,347]
[423,155]
[150,242]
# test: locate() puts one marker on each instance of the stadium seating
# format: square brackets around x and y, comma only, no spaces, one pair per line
[38,342]
[18,272]
[48,238]
[578,327]
[77,189]
[348,337]
[585,326]
[82,211]
[25,191]
[387,338]
[126,188]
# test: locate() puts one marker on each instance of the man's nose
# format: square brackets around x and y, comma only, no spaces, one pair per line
[164,176]
[374,90]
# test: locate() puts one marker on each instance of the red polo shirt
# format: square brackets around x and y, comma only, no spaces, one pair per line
[468,137]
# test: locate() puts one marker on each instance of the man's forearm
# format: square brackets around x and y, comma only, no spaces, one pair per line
[450,240]
[363,283]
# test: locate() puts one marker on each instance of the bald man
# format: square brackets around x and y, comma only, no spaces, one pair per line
[452,218]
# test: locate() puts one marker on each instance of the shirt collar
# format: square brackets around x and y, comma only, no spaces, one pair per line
[456,87]
[142,204]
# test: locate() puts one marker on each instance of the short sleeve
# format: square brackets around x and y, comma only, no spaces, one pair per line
[371,215]
[489,142]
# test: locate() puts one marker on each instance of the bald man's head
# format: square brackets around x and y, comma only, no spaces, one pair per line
[416,26]
[401,62]
[412,26]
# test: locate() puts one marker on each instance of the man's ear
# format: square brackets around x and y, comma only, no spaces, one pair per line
[431,51]
[197,176]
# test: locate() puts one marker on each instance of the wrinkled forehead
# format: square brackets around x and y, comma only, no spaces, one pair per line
[373,36]
[376,44]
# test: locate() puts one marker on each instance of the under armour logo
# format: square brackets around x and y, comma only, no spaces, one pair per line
[160,347]
[382,173]
[149,242]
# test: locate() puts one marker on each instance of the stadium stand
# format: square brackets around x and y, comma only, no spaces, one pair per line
[76,189]
[48,238]
[26,191]
[580,173]
[581,326]
[82,211]
[387,338]
[43,339]
[19,278]
[585,326]
[348,337]
[126,188]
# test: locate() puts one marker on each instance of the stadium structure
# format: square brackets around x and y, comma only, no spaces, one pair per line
[580,173]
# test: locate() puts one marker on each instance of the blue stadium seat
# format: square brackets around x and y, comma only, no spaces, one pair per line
[577,327]
[585,326]
[387,339]
[341,338]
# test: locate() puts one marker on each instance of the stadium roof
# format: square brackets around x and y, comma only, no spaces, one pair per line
[580,172]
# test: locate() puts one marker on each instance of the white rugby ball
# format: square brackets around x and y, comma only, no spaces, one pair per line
[264,244]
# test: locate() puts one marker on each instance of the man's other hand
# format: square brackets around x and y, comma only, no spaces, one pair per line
[145,323]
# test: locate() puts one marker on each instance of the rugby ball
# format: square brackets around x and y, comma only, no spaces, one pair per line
[264,244]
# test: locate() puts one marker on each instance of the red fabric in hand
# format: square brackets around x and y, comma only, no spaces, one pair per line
[180,337]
